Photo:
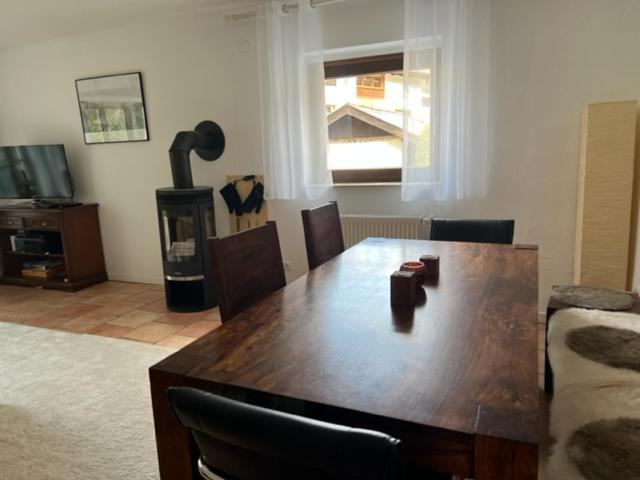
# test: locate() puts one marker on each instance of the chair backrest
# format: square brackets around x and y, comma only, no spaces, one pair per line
[480,231]
[322,233]
[246,442]
[247,266]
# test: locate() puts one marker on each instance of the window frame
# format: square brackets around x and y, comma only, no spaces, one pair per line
[376,64]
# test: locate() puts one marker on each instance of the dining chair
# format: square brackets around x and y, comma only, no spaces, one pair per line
[322,233]
[245,442]
[247,266]
[480,231]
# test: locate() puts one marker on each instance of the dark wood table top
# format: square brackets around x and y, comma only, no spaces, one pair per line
[464,361]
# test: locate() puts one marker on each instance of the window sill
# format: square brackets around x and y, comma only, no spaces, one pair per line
[372,184]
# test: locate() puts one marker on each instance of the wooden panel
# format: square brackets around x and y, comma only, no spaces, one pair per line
[331,340]
[246,266]
[363,65]
[322,233]
[500,459]
[42,222]
[11,223]
[81,242]
[605,194]
[176,452]
[380,175]
[247,220]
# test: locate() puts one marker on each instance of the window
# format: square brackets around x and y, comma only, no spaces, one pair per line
[364,100]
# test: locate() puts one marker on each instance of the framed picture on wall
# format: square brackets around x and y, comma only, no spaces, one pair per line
[112,108]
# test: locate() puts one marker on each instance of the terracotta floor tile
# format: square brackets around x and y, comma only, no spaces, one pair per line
[188,318]
[159,306]
[135,319]
[152,332]
[14,317]
[128,288]
[107,298]
[106,330]
[147,297]
[99,289]
[198,329]
[76,310]
[214,314]
[176,341]
[44,321]
[176,319]
[155,288]
[86,322]
[111,309]
[64,301]
[118,308]
[35,307]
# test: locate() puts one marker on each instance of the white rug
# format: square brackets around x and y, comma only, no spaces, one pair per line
[586,391]
[75,406]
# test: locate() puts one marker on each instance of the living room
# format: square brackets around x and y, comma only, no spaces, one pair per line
[540,65]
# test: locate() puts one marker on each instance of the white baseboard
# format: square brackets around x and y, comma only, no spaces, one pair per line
[124,277]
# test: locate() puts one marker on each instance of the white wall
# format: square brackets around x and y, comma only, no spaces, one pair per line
[188,76]
[548,59]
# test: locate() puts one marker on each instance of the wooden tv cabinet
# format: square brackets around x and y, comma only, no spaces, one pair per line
[74,230]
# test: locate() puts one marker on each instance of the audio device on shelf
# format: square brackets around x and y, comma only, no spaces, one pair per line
[29,242]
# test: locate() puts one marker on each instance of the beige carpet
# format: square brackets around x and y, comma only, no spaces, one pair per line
[75,406]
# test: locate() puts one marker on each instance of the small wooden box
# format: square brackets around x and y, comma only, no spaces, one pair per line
[431,265]
[403,289]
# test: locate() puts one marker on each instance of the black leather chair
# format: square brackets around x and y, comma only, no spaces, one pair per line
[245,442]
[480,231]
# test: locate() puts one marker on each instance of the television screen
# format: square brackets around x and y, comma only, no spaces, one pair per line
[34,171]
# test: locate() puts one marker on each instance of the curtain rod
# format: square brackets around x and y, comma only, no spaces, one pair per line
[285,8]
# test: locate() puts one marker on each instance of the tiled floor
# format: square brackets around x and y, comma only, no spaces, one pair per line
[131,311]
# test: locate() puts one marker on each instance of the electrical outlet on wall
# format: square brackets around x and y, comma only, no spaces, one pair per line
[287,265]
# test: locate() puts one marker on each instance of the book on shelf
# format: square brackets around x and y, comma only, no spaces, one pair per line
[43,274]
[43,265]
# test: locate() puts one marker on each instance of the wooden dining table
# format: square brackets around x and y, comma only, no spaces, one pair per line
[455,378]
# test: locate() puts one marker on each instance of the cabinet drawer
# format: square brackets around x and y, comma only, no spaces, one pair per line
[42,222]
[11,222]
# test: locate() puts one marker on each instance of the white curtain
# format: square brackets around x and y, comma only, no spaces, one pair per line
[445,99]
[291,79]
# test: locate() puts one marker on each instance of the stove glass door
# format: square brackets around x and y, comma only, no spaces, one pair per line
[179,235]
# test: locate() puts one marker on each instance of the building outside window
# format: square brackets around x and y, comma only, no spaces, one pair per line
[365,108]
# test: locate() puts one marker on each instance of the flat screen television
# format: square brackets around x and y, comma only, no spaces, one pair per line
[34,171]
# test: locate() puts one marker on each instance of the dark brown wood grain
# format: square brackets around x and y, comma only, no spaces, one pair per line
[363,65]
[246,266]
[79,230]
[377,175]
[329,346]
[322,233]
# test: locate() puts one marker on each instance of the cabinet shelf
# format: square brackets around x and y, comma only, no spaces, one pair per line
[30,254]
[77,230]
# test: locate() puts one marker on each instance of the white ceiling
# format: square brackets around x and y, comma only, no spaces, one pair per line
[27,21]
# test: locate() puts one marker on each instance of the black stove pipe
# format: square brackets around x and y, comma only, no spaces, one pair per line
[180,161]
[207,139]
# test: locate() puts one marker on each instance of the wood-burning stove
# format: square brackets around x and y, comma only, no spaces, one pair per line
[186,218]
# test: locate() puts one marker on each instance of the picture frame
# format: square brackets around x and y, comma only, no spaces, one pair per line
[112,108]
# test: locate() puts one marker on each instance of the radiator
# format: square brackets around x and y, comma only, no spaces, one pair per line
[358,227]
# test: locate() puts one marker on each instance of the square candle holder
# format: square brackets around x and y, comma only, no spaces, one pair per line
[431,265]
[403,289]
